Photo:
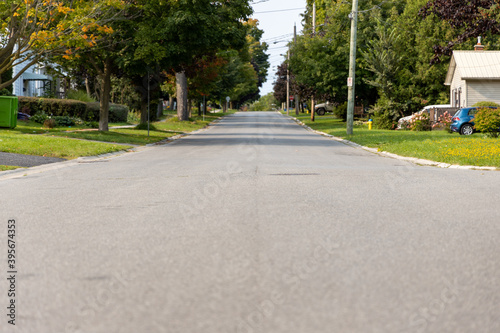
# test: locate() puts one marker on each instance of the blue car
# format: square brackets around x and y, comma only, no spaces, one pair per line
[463,121]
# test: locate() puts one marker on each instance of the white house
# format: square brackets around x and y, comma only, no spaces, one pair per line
[474,76]
[33,82]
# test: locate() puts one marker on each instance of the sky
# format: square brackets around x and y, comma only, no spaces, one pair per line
[277,18]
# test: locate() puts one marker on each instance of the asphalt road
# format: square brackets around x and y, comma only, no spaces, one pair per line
[26,160]
[254,225]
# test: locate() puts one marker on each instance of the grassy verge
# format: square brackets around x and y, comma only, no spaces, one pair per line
[12,141]
[8,167]
[439,146]
[30,138]
[158,131]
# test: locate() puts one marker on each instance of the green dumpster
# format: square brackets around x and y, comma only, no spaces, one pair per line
[8,111]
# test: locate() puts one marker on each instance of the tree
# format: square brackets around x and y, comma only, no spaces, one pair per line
[178,33]
[469,18]
[96,50]
[33,29]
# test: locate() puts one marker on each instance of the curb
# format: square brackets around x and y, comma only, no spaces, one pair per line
[414,160]
[22,172]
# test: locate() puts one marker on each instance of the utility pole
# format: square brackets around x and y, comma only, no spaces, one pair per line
[288,84]
[313,106]
[352,68]
[297,96]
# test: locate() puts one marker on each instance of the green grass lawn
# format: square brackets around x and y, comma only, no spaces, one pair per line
[8,167]
[31,138]
[159,131]
[439,146]
[13,141]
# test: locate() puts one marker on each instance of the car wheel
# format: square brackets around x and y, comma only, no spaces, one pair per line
[320,111]
[466,129]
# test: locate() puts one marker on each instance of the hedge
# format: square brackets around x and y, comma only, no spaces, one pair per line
[70,108]
[117,113]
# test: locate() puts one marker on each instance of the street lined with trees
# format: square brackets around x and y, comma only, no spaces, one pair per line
[404,49]
[205,49]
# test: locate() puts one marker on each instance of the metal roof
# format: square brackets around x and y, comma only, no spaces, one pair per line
[474,65]
[35,77]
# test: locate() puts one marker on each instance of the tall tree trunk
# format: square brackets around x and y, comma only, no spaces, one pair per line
[144,108]
[87,85]
[159,113]
[105,78]
[170,103]
[313,106]
[182,96]
[297,105]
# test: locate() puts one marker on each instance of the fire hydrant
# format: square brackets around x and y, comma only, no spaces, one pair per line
[370,123]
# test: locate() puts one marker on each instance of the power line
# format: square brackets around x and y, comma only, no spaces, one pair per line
[280,10]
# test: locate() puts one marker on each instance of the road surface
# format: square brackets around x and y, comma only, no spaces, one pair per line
[254,225]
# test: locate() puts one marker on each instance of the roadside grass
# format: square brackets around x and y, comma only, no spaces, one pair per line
[439,146]
[31,138]
[122,136]
[8,167]
[16,141]
[159,131]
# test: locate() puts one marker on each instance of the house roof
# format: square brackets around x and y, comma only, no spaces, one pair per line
[35,77]
[474,65]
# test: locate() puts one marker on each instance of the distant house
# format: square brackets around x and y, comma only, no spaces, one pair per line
[474,76]
[33,82]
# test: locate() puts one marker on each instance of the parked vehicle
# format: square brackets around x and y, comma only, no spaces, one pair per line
[426,109]
[322,108]
[463,120]
[23,116]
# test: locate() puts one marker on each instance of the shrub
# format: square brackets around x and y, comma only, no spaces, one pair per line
[5,92]
[64,121]
[486,103]
[133,117]
[145,127]
[420,122]
[340,111]
[385,114]
[80,95]
[487,120]
[39,117]
[49,123]
[91,124]
[57,107]
[117,113]
[444,122]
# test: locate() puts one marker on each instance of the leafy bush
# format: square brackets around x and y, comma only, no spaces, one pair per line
[5,92]
[421,122]
[117,113]
[486,103]
[58,107]
[444,122]
[64,121]
[133,117]
[341,111]
[487,120]
[145,127]
[91,124]
[40,117]
[49,123]
[385,114]
[80,95]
